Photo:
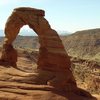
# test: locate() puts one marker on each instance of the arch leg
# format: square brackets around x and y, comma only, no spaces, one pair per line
[12,27]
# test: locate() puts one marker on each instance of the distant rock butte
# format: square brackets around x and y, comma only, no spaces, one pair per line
[52,55]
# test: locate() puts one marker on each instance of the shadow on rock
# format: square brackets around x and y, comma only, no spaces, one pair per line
[70,95]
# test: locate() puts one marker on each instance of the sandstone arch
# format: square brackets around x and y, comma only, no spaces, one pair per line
[53,60]
[52,55]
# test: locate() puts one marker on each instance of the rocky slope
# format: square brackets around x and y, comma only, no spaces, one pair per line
[83,44]
[84,49]
[87,74]
[26,42]
[17,83]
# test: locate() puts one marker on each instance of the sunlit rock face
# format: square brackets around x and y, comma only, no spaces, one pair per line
[52,55]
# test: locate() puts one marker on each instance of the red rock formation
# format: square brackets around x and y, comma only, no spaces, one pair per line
[52,55]
[53,63]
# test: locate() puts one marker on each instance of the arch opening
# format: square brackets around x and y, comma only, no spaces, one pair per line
[26,38]
[27,46]
[27,31]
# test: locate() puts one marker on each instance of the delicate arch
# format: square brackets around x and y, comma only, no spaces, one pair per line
[52,55]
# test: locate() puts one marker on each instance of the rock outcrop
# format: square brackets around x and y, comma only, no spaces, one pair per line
[85,44]
[52,55]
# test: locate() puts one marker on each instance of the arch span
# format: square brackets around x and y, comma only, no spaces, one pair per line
[52,55]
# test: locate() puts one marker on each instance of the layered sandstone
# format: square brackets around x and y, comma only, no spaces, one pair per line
[52,55]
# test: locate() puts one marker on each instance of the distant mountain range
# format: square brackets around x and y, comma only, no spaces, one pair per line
[22,32]
[30,32]
[1,33]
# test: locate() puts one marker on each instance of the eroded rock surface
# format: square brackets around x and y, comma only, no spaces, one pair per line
[53,66]
[52,55]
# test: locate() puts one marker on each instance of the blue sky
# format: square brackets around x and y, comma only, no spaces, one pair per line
[65,15]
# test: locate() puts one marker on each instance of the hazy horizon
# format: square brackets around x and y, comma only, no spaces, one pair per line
[29,32]
[65,15]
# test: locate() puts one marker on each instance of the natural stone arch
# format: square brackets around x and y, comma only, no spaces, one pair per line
[52,55]
[53,63]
